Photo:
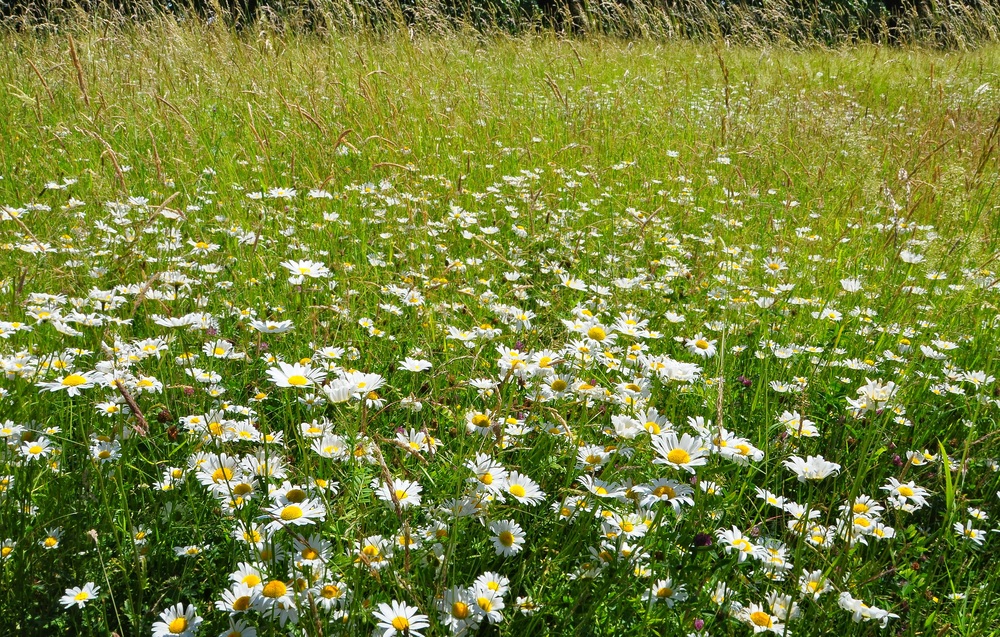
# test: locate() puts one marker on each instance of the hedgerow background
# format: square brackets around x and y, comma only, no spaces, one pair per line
[939,23]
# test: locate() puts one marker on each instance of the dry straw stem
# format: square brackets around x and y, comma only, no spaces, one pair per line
[81,82]
[141,426]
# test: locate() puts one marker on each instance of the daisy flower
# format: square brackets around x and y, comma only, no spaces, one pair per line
[664,591]
[508,537]
[406,492]
[72,384]
[523,489]
[489,475]
[415,364]
[813,468]
[51,539]
[489,603]
[456,611]
[294,514]
[272,593]
[295,375]
[761,620]
[967,532]
[79,596]
[685,452]
[492,581]
[280,192]
[332,594]
[271,327]
[236,599]
[178,621]
[399,618]
[36,449]
[239,628]
[814,583]
[700,346]
[862,611]
[311,269]
[676,494]
[908,493]
[733,540]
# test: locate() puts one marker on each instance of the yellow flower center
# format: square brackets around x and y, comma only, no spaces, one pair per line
[274,589]
[251,580]
[507,538]
[860,507]
[291,512]
[222,473]
[50,542]
[74,380]
[701,343]
[760,618]
[295,495]
[400,623]
[178,626]
[517,490]
[81,596]
[485,603]
[330,592]
[298,380]
[558,385]
[309,553]
[679,456]
[664,490]
[481,420]
[35,449]
[905,491]
[665,592]
[241,603]
[597,334]
[460,610]
[486,478]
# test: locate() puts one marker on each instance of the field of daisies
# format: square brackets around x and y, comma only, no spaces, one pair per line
[345,336]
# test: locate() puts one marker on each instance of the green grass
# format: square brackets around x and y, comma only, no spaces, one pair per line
[476,172]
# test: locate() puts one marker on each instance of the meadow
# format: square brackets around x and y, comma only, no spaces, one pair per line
[413,335]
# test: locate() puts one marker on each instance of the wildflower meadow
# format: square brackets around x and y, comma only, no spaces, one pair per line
[420,335]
